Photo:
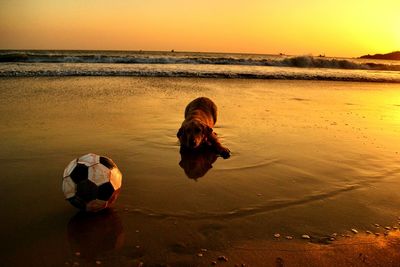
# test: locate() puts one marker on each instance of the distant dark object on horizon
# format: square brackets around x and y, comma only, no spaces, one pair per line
[389,56]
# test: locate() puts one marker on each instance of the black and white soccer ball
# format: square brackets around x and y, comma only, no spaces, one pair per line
[91,182]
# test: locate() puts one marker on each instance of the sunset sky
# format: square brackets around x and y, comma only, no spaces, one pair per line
[335,28]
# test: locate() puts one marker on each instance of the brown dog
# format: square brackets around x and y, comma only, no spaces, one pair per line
[196,129]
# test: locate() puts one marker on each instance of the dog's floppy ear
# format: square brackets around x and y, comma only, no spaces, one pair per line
[179,133]
[208,132]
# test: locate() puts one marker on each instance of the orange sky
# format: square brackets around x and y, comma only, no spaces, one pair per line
[338,28]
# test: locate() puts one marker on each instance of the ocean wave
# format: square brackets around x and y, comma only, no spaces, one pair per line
[205,74]
[228,59]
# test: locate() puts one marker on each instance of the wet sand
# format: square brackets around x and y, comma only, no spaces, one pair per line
[363,250]
[312,158]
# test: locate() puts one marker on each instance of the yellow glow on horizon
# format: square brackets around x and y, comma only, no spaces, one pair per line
[339,28]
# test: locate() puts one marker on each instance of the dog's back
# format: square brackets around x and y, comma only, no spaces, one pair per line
[204,104]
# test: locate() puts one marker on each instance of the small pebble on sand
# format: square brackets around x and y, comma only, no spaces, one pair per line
[288,237]
[332,239]
[354,231]
[388,228]
[334,235]
[347,236]
[213,263]
[376,225]
[98,262]
[222,258]
[277,235]
[386,233]
[395,228]
[305,236]
[203,250]
[200,254]
[368,232]
[377,234]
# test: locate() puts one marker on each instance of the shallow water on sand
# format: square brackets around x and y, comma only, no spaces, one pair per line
[307,158]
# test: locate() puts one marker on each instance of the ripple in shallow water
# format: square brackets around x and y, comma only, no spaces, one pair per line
[245,211]
[251,166]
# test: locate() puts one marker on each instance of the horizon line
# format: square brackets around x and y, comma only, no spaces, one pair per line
[182,51]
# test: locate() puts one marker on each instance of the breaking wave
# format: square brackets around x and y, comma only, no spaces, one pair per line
[190,58]
[194,71]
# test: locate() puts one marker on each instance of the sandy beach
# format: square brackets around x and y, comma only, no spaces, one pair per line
[314,158]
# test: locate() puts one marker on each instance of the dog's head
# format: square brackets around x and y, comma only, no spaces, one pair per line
[193,133]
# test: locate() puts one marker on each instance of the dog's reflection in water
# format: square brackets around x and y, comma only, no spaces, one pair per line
[196,163]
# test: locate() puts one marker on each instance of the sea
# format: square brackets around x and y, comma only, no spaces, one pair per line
[31,63]
[314,143]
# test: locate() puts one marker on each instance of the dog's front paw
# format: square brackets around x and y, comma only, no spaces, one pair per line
[225,153]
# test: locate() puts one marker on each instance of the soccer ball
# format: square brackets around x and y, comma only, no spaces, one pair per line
[91,182]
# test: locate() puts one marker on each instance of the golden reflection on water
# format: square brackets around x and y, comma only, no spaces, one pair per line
[307,157]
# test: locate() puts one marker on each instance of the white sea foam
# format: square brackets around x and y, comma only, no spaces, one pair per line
[195,70]
[122,63]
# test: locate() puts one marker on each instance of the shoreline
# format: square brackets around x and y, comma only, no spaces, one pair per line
[206,76]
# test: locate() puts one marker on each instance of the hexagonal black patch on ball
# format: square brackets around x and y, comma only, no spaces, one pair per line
[107,162]
[87,190]
[105,191]
[79,173]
